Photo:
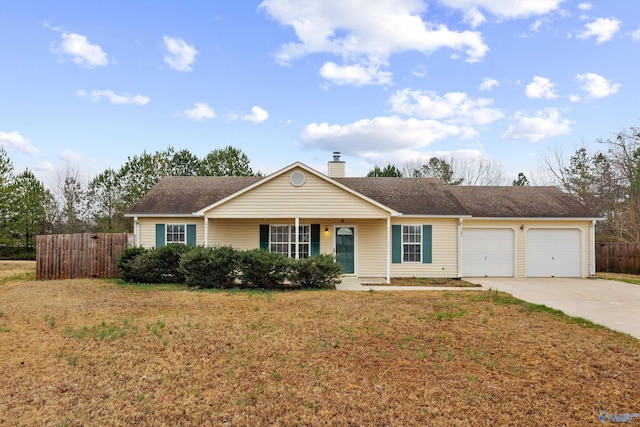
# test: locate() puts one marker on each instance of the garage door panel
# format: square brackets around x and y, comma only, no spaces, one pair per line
[487,252]
[554,253]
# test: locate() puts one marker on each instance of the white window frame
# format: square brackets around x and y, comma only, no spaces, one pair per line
[174,233]
[408,242]
[304,245]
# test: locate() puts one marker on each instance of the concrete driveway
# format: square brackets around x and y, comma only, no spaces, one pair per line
[615,305]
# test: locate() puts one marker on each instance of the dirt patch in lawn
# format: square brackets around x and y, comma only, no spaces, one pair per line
[91,352]
[425,281]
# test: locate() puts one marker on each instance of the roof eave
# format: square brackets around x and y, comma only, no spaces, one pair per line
[168,215]
[537,218]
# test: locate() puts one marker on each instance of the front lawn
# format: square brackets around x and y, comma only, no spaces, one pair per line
[92,352]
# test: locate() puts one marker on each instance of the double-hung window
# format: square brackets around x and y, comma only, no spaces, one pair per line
[282,240]
[411,243]
[176,233]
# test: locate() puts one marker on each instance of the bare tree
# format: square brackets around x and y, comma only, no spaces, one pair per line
[479,171]
[70,192]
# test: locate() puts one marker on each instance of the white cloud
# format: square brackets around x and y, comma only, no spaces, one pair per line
[584,6]
[14,141]
[635,35]
[540,87]
[420,71]
[502,9]
[200,111]
[474,17]
[81,51]
[356,75]
[71,156]
[543,124]
[574,98]
[378,135]
[603,29]
[535,27]
[45,166]
[488,84]
[452,107]
[258,115]
[114,98]
[180,55]
[364,34]
[597,86]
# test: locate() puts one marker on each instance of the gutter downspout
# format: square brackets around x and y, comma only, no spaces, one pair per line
[460,221]
[592,249]
[136,231]
[206,232]
[388,250]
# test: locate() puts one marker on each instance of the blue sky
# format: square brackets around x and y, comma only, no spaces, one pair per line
[89,83]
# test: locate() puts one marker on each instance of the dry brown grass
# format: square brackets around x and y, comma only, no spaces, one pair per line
[16,269]
[90,352]
[628,278]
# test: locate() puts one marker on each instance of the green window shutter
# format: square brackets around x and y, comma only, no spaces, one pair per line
[160,235]
[264,237]
[396,244]
[191,234]
[427,246]
[315,239]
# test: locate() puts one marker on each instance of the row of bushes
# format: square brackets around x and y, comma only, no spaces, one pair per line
[225,267]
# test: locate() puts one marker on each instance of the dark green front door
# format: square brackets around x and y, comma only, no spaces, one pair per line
[345,249]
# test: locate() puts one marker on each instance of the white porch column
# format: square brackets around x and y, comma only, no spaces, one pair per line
[592,249]
[460,248]
[206,232]
[389,249]
[297,227]
[136,230]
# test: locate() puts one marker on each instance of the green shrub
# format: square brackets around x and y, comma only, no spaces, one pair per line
[320,271]
[209,267]
[166,261]
[263,269]
[153,265]
[127,264]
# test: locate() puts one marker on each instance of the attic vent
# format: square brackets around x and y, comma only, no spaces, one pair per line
[297,178]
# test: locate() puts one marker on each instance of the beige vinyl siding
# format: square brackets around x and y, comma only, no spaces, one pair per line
[521,236]
[445,250]
[372,248]
[279,199]
[148,228]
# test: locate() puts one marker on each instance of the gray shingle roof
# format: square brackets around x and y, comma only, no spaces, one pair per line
[515,201]
[410,196]
[176,195]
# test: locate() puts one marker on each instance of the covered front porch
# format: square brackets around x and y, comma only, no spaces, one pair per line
[362,246]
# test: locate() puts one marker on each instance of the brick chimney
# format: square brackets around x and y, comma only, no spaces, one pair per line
[336,167]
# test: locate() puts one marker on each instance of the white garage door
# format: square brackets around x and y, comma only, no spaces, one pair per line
[487,252]
[553,252]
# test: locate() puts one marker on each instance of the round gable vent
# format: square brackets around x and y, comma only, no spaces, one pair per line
[297,178]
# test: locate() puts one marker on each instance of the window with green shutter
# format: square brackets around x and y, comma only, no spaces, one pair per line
[411,243]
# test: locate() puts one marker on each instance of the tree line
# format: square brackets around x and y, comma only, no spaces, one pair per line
[606,180]
[75,205]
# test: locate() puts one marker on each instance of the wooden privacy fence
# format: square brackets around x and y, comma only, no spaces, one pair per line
[71,256]
[618,257]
